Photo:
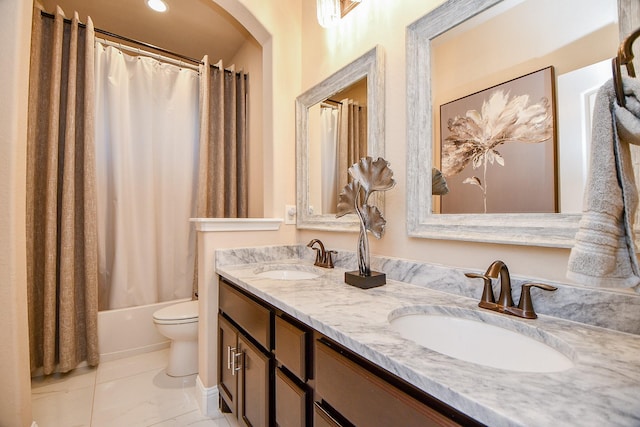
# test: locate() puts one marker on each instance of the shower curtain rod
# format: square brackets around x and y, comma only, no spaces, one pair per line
[144,44]
[155,56]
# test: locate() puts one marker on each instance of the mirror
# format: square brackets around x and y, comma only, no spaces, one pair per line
[432,83]
[337,138]
[338,120]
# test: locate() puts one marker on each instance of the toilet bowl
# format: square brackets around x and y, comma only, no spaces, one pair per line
[179,323]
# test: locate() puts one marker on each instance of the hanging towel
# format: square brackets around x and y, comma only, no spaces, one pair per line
[604,253]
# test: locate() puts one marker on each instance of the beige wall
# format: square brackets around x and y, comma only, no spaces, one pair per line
[276,26]
[324,51]
[15,389]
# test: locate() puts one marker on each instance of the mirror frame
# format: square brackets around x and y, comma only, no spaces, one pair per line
[550,230]
[371,66]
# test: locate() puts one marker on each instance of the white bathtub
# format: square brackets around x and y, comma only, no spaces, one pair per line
[129,331]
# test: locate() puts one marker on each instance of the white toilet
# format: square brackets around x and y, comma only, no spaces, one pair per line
[179,322]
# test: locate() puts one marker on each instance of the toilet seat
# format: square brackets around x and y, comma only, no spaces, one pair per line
[184,312]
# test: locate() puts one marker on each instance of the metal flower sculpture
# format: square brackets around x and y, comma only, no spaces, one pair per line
[439,185]
[368,176]
[476,135]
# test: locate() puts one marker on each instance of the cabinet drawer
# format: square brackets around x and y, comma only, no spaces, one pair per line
[365,399]
[291,402]
[254,318]
[291,348]
[322,418]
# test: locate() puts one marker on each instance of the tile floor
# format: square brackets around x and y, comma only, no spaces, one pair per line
[132,392]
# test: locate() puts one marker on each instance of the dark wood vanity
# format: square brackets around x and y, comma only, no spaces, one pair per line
[276,371]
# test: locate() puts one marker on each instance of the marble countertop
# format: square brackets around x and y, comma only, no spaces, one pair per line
[603,387]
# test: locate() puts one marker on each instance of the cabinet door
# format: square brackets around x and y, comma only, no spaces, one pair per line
[291,402]
[228,379]
[253,385]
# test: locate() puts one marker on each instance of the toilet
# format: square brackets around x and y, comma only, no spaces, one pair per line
[179,323]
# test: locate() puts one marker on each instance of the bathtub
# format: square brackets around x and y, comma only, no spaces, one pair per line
[129,331]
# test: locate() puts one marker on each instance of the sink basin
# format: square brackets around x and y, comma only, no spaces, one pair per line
[466,335]
[288,272]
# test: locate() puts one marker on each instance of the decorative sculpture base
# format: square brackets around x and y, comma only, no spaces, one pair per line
[354,278]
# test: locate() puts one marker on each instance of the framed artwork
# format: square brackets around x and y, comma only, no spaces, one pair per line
[498,148]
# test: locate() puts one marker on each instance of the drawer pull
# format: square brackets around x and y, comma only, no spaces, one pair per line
[235,364]
[230,354]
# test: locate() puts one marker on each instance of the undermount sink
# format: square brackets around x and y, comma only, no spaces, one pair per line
[288,272]
[466,335]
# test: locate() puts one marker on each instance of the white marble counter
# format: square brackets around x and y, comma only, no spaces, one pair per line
[603,388]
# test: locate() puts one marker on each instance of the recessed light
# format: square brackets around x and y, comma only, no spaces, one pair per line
[157,5]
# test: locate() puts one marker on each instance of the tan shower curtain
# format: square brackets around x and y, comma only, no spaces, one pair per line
[352,138]
[222,170]
[62,268]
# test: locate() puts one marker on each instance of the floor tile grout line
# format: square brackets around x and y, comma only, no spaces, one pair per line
[173,417]
[93,397]
[137,372]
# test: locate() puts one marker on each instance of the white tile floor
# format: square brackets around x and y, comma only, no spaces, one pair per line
[132,392]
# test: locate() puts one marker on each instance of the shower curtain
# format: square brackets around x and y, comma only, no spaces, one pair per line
[170,145]
[352,138]
[147,137]
[62,272]
[329,146]
[222,173]
[141,190]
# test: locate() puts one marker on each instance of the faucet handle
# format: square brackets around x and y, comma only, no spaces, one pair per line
[487,300]
[329,261]
[525,306]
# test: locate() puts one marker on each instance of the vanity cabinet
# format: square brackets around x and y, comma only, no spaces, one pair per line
[289,375]
[246,363]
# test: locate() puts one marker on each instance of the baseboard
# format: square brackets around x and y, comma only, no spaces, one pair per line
[207,399]
[108,357]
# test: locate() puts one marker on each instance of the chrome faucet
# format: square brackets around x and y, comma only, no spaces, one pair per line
[324,258]
[505,301]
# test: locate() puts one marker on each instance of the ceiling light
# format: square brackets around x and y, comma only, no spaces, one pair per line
[157,5]
[328,12]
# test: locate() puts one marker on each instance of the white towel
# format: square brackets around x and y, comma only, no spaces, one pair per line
[604,253]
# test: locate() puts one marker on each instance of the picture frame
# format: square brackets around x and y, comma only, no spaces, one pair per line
[498,148]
